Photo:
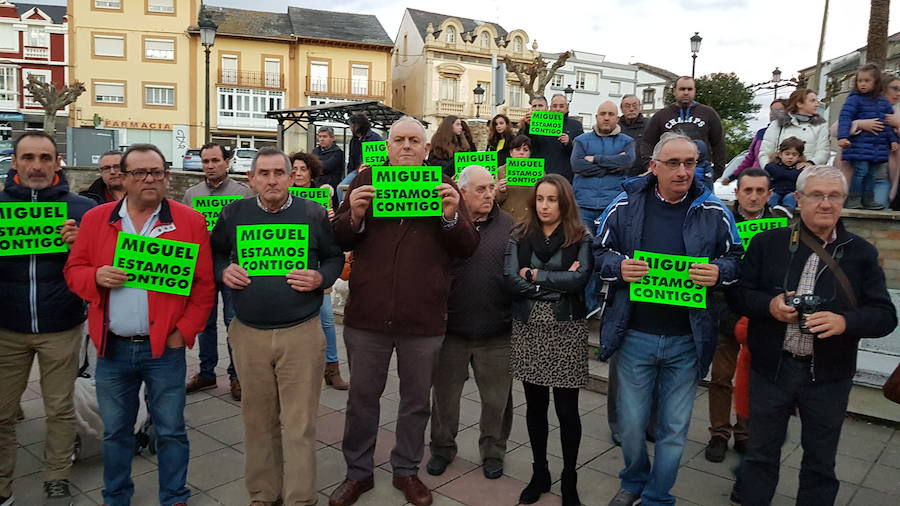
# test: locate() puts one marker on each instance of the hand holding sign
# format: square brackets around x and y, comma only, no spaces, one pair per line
[69,231]
[360,200]
[633,270]
[564,139]
[704,274]
[305,280]
[235,277]
[449,199]
[108,276]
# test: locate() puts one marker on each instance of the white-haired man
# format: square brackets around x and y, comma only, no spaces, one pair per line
[811,292]
[398,301]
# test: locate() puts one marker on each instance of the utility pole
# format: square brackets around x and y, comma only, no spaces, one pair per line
[820,88]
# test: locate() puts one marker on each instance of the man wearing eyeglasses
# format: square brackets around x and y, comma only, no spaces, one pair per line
[108,187]
[663,350]
[811,292]
[141,334]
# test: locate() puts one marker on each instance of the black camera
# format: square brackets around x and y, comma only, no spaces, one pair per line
[805,305]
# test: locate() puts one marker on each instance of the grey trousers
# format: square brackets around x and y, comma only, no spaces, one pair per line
[490,361]
[370,354]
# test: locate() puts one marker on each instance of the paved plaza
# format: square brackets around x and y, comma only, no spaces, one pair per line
[868,463]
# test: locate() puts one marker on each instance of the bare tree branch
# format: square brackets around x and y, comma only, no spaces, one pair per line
[52,98]
[534,76]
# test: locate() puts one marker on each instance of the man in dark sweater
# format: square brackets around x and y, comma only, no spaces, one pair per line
[632,123]
[663,349]
[331,156]
[108,187]
[478,332]
[697,121]
[276,335]
[557,151]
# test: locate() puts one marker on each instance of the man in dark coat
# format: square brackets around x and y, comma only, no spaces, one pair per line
[331,156]
[108,187]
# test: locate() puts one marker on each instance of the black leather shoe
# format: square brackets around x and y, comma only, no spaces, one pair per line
[492,468]
[437,465]
[715,450]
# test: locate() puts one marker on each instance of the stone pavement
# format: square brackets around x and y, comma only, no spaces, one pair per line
[868,463]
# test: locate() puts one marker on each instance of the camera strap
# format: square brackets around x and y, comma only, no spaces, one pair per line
[797,234]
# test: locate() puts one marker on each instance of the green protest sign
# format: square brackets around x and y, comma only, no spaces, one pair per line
[486,159]
[668,281]
[748,229]
[524,171]
[374,153]
[272,250]
[406,192]
[321,196]
[546,123]
[159,265]
[210,207]
[32,228]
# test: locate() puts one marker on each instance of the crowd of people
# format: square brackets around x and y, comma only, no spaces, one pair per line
[503,281]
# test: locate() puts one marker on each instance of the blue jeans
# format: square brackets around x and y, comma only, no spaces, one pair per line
[667,364]
[208,340]
[589,217]
[326,314]
[883,192]
[119,377]
[864,176]
[786,200]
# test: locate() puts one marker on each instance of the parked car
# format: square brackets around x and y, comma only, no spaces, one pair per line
[191,160]
[240,161]
[5,164]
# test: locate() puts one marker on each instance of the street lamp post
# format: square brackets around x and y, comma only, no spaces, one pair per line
[570,93]
[207,38]
[695,48]
[479,99]
[776,78]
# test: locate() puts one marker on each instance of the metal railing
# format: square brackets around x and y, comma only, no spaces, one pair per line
[344,87]
[251,79]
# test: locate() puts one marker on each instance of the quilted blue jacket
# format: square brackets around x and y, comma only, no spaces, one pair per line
[866,146]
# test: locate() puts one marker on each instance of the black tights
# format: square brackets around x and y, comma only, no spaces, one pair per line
[537,399]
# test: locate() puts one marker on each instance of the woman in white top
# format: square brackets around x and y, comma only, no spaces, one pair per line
[803,122]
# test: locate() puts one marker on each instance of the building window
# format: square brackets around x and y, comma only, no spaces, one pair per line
[272,78]
[38,37]
[161,6]
[229,69]
[8,87]
[649,96]
[156,94]
[108,4]
[109,93]
[109,45]
[488,98]
[247,103]
[41,75]
[318,75]
[159,49]
[586,81]
[451,34]
[485,40]
[587,119]
[450,89]
[405,47]
[359,81]
[516,96]
[615,88]
[9,37]
[518,45]
[557,81]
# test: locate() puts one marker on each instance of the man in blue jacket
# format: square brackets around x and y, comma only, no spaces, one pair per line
[663,349]
[41,317]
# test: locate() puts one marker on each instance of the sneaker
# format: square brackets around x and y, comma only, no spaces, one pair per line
[197,383]
[715,450]
[740,446]
[492,468]
[7,501]
[624,498]
[437,465]
[57,493]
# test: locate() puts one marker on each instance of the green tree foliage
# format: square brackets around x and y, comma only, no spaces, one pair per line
[737,137]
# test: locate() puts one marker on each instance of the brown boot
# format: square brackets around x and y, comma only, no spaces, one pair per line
[333,376]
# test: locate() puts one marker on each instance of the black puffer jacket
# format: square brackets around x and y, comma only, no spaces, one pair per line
[97,191]
[557,156]
[479,305]
[35,296]
[763,277]
[332,159]
[354,158]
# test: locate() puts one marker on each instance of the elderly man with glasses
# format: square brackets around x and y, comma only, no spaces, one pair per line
[811,292]
[663,348]
[141,332]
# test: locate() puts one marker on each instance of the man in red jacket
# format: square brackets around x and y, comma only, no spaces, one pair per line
[398,300]
[141,334]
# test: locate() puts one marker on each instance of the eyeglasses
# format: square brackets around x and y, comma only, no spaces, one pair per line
[833,198]
[142,174]
[894,88]
[674,164]
[116,166]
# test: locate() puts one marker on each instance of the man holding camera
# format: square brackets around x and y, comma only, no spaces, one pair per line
[811,292]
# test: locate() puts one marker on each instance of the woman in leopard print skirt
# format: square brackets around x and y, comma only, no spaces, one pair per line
[548,264]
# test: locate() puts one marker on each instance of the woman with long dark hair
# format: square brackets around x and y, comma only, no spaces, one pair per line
[500,135]
[548,264]
[516,200]
[447,141]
